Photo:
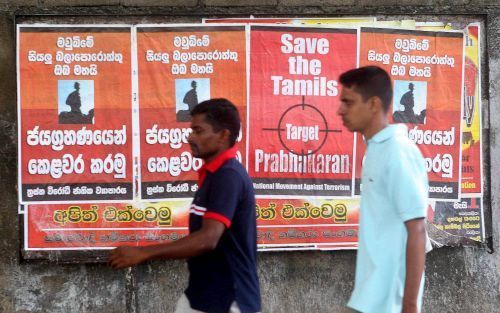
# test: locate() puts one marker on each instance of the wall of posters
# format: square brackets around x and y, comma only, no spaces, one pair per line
[104,158]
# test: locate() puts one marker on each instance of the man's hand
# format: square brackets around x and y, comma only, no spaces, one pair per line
[126,256]
[198,242]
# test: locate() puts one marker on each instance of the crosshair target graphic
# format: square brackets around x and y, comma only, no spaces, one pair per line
[302,129]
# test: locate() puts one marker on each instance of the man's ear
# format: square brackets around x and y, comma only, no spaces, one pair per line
[376,104]
[225,135]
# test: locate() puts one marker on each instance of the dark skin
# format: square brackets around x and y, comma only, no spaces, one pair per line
[369,117]
[206,144]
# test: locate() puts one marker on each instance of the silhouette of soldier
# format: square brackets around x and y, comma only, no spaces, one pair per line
[75,116]
[191,99]
[73,100]
[408,115]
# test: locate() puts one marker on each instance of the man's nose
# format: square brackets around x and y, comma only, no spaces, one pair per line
[340,110]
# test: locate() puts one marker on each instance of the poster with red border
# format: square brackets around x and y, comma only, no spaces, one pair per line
[180,66]
[298,146]
[426,68]
[75,113]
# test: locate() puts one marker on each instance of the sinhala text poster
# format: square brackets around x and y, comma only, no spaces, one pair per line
[75,110]
[180,67]
[426,68]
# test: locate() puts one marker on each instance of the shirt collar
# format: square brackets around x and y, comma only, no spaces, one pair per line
[216,163]
[388,132]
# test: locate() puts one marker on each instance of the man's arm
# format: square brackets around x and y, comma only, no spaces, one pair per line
[415,262]
[194,244]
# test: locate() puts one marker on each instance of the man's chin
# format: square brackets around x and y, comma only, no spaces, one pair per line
[349,127]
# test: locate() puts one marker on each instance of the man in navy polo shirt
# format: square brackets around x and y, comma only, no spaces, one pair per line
[221,246]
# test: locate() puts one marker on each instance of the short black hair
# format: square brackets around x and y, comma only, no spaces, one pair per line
[221,114]
[369,81]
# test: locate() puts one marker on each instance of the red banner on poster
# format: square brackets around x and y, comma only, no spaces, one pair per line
[75,110]
[426,69]
[180,67]
[298,146]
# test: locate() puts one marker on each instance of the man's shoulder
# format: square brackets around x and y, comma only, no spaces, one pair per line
[401,148]
[232,167]
[402,142]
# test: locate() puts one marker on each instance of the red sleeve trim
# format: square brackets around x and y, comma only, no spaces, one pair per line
[218,217]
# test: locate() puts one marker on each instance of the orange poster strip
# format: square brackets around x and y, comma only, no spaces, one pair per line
[75,113]
[282,224]
[307,221]
[104,226]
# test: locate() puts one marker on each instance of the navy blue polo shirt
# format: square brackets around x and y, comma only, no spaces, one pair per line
[229,272]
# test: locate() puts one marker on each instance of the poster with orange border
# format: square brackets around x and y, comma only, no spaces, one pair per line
[75,113]
[426,68]
[180,66]
[298,146]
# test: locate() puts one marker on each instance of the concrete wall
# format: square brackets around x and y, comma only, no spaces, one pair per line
[460,279]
